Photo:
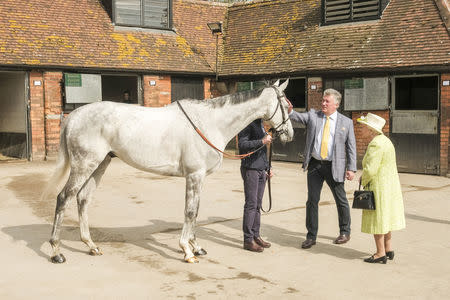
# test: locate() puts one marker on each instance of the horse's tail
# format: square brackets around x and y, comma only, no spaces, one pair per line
[62,166]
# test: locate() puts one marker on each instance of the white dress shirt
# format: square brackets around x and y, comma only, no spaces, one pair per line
[318,140]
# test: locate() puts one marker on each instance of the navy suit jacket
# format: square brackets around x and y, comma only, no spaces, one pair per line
[250,138]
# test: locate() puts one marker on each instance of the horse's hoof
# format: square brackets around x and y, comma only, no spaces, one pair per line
[192,260]
[58,259]
[201,252]
[95,252]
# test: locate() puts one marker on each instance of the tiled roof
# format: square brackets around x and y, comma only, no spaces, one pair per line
[261,38]
[80,34]
[285,36]
[193,25]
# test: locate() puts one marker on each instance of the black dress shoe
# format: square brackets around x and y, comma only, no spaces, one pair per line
[262,243]
[390,255]
[372,260]
[342,239]
[308,243]
[253,246]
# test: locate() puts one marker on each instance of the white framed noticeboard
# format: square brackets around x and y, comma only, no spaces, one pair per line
[82,88]
[366,93]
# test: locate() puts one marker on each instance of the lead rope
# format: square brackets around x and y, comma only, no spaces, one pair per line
[231,156]
[269,186]
[242,156]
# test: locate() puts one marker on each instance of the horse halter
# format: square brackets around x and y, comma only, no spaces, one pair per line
[280,97]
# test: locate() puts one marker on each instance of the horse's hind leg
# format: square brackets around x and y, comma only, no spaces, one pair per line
[77,178]
[83,199]
[193,188]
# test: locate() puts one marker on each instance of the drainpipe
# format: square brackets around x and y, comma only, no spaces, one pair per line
[45,117]
[28,116]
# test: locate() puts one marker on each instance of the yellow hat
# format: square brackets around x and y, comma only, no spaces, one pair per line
[373,121]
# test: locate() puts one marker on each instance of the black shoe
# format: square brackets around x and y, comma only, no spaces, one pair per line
[372,260]
[308,243]
[342,239]
[390,255]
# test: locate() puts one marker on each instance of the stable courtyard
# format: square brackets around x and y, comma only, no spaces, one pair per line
[136,220]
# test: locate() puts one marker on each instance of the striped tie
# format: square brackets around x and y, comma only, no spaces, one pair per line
[325,137]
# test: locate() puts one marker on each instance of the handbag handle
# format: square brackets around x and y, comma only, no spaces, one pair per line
[359,187]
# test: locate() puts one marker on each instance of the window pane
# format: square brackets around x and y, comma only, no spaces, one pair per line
[128,12]
[156,13]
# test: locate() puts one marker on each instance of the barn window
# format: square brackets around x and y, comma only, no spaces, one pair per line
[341,11]
[142,13]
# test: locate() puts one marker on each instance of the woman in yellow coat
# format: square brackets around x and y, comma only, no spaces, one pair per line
[380,176]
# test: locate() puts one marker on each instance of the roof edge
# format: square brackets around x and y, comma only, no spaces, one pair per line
[444,11]
[342,72]
[99,70]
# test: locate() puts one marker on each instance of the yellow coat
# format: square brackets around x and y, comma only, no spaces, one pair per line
[380,176]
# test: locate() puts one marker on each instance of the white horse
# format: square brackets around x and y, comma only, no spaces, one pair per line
[158,140]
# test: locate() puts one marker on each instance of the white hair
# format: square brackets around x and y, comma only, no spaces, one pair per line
[332,92]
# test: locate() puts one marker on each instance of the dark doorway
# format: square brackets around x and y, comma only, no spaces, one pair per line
[115,88]
[296,92]
[187,88]
[13,116]
[416,93]
[415,123]
[293,151]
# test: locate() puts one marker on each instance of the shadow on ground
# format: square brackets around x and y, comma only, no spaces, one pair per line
[35,235]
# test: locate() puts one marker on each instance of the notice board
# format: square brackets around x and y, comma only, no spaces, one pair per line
[366,93]
[83,88]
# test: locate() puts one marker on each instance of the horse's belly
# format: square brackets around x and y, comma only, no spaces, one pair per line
[160,166]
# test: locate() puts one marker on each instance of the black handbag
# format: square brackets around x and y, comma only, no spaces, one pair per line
[363,199]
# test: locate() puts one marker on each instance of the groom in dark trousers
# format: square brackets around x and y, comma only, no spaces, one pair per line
[330,156]
[254,171]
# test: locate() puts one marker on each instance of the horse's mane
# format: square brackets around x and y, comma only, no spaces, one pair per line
[228,99]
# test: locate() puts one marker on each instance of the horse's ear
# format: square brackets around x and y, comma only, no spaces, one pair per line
[284,85]
[277,83]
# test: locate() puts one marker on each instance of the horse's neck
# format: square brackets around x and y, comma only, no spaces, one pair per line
[232,118]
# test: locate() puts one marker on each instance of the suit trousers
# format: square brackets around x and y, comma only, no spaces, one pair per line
[254,184]
[318,172]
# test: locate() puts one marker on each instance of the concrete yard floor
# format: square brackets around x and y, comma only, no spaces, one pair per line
[136,220]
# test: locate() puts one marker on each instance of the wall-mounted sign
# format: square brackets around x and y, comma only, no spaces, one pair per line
[72,79]
[152,82]
[366,94]
[446,82]
[37,82]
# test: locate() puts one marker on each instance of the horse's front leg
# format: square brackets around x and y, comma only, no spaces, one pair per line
[194,182]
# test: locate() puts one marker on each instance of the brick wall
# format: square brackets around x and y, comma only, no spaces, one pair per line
[37,116]
[159,94]
[53,109]
[445,125]
[362,143]
[314,93]
[207,88]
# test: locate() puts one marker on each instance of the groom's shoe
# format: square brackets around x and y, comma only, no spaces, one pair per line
[342,239]
[262,243]
[253,246]
[308,243]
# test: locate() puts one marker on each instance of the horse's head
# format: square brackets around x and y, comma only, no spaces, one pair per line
[277,112]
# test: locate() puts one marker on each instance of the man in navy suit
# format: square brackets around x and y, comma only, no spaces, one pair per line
[330,155]
[254,171]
